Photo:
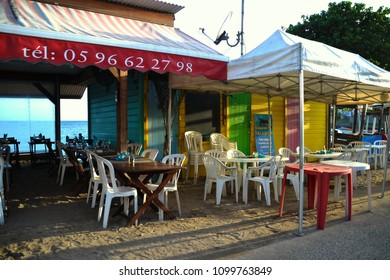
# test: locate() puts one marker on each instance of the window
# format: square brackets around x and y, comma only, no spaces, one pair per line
[203,113]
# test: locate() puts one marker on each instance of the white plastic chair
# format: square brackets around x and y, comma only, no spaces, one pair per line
[215,153]
[293,177]
[194,147]
[216,173]
[94,180]
[264,181]
[134,148]
[171,186]
[220,142]
[365,145]
[233,153]
[380,153]
[150,153]
[305,150]
[287,153]
[111,190]
[2,199]
[64,163]
[5,152]
[345,156]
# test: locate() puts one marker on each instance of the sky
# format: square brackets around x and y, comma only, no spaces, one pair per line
[261,19]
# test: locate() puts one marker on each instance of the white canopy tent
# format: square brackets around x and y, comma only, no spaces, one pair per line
[290,66]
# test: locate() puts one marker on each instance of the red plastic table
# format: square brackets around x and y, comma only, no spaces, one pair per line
[318,175]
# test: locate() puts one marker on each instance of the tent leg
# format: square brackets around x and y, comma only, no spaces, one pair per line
[301,151]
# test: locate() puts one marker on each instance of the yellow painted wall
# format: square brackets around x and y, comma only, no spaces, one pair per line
[315,124]
[260,106]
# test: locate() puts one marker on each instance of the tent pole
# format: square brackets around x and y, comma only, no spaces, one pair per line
[385,163]
[334,124]
[269,124]
[169,119]
[301,151]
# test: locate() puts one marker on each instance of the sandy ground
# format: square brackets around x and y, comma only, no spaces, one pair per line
[46,222]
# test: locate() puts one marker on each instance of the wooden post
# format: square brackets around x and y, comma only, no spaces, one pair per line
[122,95]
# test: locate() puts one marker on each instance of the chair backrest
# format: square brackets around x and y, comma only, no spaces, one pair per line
[233,153]
[5,152]
[214,167]
[106,173]
[211,165]
[272,165]
[150,153]
[173,159]
[359,156]
[193,141]
[360,144]
[287,153]
[220,142]
[380,142]
[134,148]
[305,150]
[91,156]
[337,147]
[216,153]
[345,156]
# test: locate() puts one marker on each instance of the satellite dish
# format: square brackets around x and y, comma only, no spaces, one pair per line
[222,34]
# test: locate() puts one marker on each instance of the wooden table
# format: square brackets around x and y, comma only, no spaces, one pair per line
[130,175]
[318,175]
[33,143]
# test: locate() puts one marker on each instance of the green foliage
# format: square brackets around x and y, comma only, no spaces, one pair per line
[354,28]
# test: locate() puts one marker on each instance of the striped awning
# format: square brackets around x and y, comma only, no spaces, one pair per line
[39,32]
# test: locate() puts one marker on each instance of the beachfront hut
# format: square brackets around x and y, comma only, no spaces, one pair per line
[59,49]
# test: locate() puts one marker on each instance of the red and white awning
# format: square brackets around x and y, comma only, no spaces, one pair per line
[39,32]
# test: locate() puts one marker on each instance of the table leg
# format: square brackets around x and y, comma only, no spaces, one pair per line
[311,189]
[282,195]
[196,168]
[151,197]
[244,186]
[349,192]
[322,200]
[368,173]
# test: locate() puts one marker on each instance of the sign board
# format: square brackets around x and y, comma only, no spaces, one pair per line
[263,135]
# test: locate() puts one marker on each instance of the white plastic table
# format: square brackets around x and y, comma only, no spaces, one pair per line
[245,161]
[355,166]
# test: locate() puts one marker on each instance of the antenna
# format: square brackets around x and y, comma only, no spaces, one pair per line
[222,35]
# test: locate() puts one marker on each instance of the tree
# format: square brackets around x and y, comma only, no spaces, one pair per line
[161,84]
[353,28]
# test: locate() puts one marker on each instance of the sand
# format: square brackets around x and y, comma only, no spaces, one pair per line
[47,222]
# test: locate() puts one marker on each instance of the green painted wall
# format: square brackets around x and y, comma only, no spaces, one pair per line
[239,121]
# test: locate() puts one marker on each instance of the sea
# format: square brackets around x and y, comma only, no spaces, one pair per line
[23,130]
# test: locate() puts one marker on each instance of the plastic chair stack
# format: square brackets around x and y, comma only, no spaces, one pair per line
[193,143]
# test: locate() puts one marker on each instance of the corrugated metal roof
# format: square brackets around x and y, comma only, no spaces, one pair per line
[155,5]
[20,89]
